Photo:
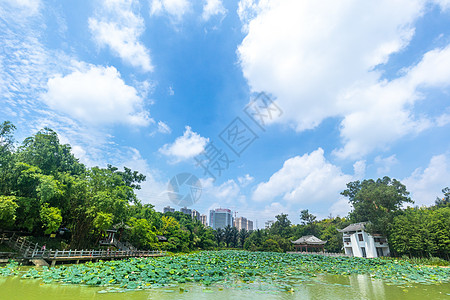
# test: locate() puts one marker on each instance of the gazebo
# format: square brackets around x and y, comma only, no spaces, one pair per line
[309,241]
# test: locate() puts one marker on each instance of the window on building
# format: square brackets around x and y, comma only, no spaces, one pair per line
[379,252]
[347,240]
[360,237]
[363,250]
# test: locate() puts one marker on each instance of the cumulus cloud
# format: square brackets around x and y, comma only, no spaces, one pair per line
[359,168]
[426,184]
[174,8]
[96,95]
[321,63]
[212,8]
[117,26]
[186,146]
[385,164]
[444,4]
[386,115]
[245,180]
[304,179]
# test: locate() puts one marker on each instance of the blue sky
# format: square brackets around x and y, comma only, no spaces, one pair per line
[359,90]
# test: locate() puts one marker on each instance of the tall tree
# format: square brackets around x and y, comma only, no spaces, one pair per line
[306,217]
[6,162]
[228,235]
[243,235]
[445,201]
[282,226]
[376,201]
[219,235]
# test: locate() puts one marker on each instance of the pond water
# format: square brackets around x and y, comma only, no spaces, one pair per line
[322,287]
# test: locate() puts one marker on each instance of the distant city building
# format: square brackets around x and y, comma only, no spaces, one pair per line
[220,218]
[240,223]
[195,214]
[358,242]
[243,223]
[249,225]
[168,209]
[186,210]
[204,219]
[269,223]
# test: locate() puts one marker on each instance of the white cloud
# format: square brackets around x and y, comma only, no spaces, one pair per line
[443,120]
[385,164]
[213,8]
[164,128]
[175,8]
[340,208]
[385,114]
[186,146]
[359,168]
[27,7]
[117,26]
[444,4]
[304,179]
[426,184]
[227,192]
[96,95]
[245,180]
[320,63]
[153,189]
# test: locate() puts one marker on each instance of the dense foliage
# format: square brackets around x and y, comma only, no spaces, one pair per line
[44,187]
[269,270]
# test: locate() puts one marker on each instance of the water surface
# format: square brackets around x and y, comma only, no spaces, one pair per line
[322,287]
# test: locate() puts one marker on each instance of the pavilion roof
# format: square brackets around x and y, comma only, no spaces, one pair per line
[354,227]
[309,240]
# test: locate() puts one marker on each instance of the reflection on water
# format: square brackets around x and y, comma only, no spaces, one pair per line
[323,287]
[368,287]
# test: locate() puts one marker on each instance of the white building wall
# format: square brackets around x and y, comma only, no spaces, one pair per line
[368,243]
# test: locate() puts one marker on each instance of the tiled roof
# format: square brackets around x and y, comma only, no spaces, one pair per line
[353,227]
[309,240]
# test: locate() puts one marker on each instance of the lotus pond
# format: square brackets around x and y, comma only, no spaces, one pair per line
[229,274]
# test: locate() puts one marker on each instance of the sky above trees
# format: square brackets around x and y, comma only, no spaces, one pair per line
[360,90]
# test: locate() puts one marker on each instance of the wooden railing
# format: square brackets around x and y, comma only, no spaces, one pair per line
[320,253]
[33,250]
[54,254]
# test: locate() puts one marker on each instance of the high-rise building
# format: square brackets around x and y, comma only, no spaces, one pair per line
[220,218]
[186,210]
[195,214]
[243,223]
[204,219]
[168,209]
[240,223]
[249,225]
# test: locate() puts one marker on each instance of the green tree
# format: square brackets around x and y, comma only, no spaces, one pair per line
[376,201]
[306,217]
[243,235]
[219,236]
[228,235]
[51,218]
[141,234]
[445,201]
[44,151]
[282,226]
[6,156]
[271,245]
[8,207]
